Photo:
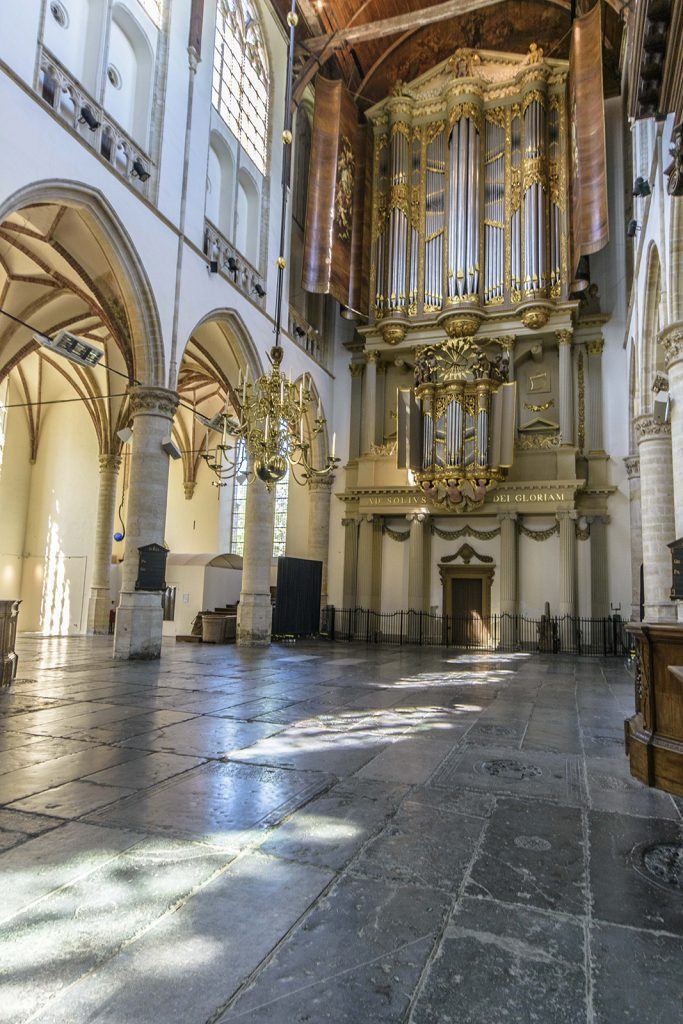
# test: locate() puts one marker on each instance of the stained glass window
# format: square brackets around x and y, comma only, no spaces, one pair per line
[240,77]
[239,504]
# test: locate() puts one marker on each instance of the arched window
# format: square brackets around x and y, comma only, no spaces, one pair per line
[130,65]
[247,231]
[239,504]
[220,185]
[240,77]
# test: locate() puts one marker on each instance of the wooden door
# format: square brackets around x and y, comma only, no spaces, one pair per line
[467,597]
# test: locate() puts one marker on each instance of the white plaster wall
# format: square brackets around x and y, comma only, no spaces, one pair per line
[60,524]
[395,569]
[15,485]
[539,570]
[192,526]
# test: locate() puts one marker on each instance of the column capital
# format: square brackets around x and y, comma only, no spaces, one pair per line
[671,338]
[567,515]
[595,347]
[369,517]
[417,517]
[564,336]
[374,357]
[356,368]
[506,341]
[632,463]
[348,521]
[321,483]
[150,401]
[650,429]
[189,489]
[110,463]
[514,516]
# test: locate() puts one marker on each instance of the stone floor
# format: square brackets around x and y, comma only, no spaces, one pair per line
[330,833]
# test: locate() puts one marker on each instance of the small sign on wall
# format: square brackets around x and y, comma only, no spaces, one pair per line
[151,567]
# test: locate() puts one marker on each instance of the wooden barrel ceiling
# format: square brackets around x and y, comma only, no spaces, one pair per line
[372,43]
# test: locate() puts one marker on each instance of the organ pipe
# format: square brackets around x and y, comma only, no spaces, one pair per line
[469,192]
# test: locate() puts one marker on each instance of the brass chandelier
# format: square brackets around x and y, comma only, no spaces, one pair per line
[268,435]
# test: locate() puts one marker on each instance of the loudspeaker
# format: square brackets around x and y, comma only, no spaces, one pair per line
[661,410]
[297,602]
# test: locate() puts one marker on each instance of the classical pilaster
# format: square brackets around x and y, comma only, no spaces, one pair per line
[508,563]
[351,527]
[369,436]
[418,598]
[369,571]
[564,345]
[255,612]
[100,602]
[356,369]
[595,437]
[139,617]
[567,562]
[632,464]
[599,567]
[657,509]
[672,342]
[319,494]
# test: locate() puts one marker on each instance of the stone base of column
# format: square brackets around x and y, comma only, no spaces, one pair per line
[660,613]
[254,620]
[139,626]
[98,610]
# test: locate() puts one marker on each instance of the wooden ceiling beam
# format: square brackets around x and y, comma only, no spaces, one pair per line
[402,23]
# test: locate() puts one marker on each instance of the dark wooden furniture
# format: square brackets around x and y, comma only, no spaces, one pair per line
[9,611]
[654,735]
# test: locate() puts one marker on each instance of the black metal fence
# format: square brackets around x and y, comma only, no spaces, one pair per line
[545,635]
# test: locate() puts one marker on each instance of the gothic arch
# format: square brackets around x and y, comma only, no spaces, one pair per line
[136,326]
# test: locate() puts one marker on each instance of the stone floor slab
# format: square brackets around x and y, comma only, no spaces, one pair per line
[496,966]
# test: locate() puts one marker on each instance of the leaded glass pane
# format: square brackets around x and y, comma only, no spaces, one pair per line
[240,83]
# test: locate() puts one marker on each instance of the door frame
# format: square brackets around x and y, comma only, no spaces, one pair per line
[449,572]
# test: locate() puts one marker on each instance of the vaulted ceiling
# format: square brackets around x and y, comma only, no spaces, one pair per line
[372,43]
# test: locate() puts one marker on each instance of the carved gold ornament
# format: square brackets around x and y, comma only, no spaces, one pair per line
[393,333]
[343,200]
[461,324]
[539,408]
[535,317]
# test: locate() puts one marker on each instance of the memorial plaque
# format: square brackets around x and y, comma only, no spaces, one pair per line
[676,548]
[151,567]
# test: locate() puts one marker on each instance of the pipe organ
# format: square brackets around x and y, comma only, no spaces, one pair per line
[465,413]
[469,209]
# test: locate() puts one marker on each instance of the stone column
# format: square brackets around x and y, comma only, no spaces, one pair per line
[672,342]
[100,603]
[508,563]
[599,571]
[657,510]
[350,562]
[417,596]
[356,369]
[319,494]
[564,345]
[255,611]
[368,581]
[369,436]
[595,441]
[139,617]
[632,464]
[567,521]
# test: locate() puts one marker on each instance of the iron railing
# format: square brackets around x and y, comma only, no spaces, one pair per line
[545,635]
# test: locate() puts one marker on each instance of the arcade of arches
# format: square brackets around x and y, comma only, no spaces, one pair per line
[455,792]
